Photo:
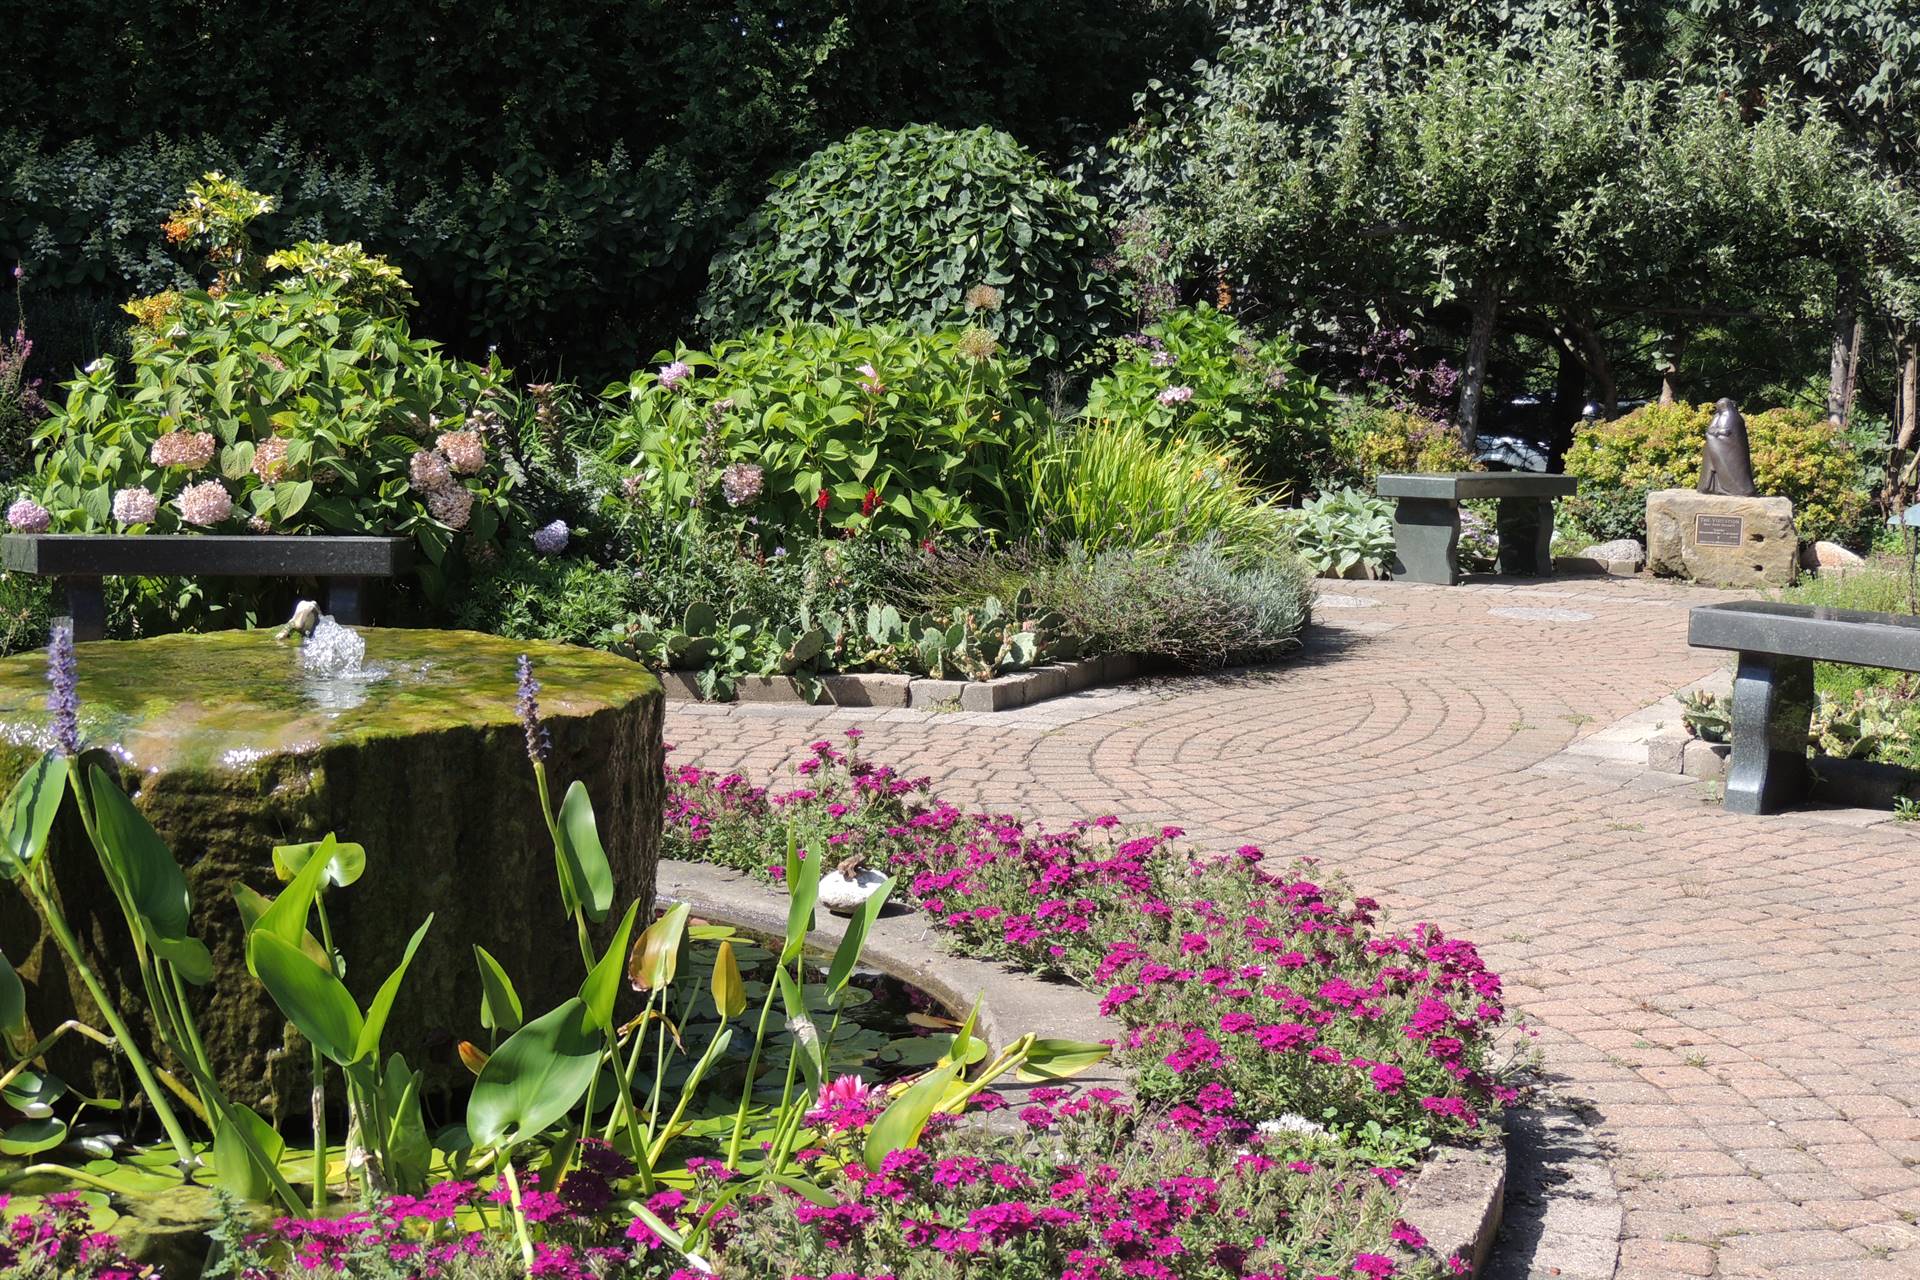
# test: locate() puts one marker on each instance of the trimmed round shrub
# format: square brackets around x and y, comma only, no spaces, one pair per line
[919,226]
[1797,454]
[1197,373]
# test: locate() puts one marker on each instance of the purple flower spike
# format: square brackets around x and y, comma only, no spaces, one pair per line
[539,741]
[63,693]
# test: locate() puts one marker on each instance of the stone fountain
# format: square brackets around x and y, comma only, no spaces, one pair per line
[404,741]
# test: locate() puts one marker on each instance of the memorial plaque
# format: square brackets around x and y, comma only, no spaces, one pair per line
[1718,531]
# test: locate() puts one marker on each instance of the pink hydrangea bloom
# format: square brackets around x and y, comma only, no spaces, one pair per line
[466,453]
[190,449]
[28,516]
[138,505]
[206,503]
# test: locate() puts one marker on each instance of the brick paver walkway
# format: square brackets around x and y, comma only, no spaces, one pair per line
[1737,998]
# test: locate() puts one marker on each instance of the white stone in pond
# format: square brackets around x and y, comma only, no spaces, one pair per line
[1291,1123]
[1628,549]
[840,894]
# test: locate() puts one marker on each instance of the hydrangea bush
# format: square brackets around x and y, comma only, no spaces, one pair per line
[281,412]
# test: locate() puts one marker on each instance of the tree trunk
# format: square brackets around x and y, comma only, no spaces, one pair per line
[1845,349]
[1599,369]
[1486,309]
[1907,412]
[1569,386]
[1670,371]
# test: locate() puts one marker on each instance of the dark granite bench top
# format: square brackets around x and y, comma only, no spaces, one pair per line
[1452,486]
[100,555]
[1858,637]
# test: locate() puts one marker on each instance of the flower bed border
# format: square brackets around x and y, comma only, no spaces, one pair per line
[895,691]
[1455,1200]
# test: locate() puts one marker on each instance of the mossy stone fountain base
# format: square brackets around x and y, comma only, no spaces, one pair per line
[229,749]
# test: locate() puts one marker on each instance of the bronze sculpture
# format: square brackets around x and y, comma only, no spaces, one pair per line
[1727,467]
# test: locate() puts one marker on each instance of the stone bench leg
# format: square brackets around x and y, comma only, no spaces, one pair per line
[87,607]
[1525,526]
[1426,540]
[1772,711]
[347,601]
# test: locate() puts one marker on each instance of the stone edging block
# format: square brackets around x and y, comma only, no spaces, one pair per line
[894,690]
[1456,1201]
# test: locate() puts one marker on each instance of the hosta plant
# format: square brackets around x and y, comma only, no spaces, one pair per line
[1345,533]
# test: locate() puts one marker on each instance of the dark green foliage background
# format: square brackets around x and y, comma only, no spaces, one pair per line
[552,178]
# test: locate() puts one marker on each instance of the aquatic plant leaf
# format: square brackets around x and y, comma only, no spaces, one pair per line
[31,1137]
[367,1043]
[602,985]
[253,904]
[1057,1059]
[847,955]
[806,1036]
[499,1002]
[584,862]
[309,995]
[729,994]
[140,860]
[33,1094]
[901,1124]
[243,1145]
[346,862]
[534,1078]
[286,916]
[28,815]
[963,1038]
[656,956]
[803,891]
[407,1151]
[13,1000]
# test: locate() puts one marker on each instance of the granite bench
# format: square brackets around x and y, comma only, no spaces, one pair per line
[1426,520]
[1773,683]
[79,561]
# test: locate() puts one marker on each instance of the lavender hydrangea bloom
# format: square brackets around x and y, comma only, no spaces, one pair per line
[206,503]
[672,375]
[551,540]
[1176,395]
[63,692]
[28,516]
[138,505]
[539,741]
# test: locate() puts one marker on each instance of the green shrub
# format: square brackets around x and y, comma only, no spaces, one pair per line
[284,412]
[1196,372]
[1796,454]
[1108,485]
[1346,533]
[824,426]
[903,226]
[534,597]
[1369,440]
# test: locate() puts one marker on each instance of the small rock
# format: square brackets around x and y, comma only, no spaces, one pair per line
[1619,549]
[1828,555]
[840,894]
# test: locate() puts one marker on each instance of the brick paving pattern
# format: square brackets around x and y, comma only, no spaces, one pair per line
[1736,999]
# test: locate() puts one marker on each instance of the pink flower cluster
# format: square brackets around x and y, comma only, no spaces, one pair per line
[59,1240]
[190,449]
[1243,992]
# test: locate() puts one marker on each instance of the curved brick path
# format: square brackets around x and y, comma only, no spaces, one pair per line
[1733,1002]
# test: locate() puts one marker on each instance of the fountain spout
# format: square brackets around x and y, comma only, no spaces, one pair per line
[306,616]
